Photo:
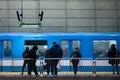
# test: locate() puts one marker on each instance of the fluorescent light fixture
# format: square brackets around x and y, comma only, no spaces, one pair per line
[30,25]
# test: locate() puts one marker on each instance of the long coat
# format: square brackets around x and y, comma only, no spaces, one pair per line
[113,53]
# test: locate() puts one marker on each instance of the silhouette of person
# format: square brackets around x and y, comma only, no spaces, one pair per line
[75,56]
[112,54]
[25,56]
[56,53]
[48,61]
[32,62]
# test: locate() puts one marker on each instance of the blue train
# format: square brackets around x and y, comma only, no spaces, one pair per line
[91,44]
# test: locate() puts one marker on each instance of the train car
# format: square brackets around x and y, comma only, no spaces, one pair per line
[92,45]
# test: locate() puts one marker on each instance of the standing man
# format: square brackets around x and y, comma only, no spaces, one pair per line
[25,56]
[112,54]
[32,62]
[56,53]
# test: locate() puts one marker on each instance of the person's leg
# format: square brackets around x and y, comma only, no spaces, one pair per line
[55,67]
[52,66]
[113,68]
[34,68]
[29,67]
[48,67]
[117,68]
[23,67]
[75,69]
[55,70]
[24,64]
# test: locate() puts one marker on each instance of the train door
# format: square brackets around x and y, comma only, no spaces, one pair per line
[6,47]
[0,49]
[0,56]
[42,47]
[68,47]
[5,55]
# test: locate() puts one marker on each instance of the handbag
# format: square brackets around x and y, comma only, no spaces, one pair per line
[71,58]
[59,65]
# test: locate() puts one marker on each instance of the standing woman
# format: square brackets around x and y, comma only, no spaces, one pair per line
[75,57]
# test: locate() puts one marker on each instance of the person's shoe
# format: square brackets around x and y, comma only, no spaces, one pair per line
[21,74]
[36,75]
[29,75]
[113,73]
[75,75]
[117,72]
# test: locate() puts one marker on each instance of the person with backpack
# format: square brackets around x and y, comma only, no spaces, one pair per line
[25,56]
[113,53]
[56,53]
[75,58]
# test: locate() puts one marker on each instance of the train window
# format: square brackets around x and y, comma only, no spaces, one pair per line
[7,48]
[76,43]
[64,45]
[35,42]
[69,44]
[42,46]
[101,46]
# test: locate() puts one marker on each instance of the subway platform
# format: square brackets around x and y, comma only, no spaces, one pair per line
[60,77]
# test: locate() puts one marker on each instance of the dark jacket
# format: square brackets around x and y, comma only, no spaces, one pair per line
[112,53]
[75,54]
[56,51]
[32,53]
[25,54]
[47,56]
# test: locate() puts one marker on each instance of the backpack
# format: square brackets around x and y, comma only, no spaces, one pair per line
[74,55]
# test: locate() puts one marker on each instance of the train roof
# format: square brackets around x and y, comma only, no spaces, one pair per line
[30,34]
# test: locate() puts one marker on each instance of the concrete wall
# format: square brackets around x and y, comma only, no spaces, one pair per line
[61,15]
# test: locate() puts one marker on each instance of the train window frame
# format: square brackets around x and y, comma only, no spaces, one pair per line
[7,47]
[73,47]
[65,48]
[42,46]
[69,47]
[36,42]
[102,53]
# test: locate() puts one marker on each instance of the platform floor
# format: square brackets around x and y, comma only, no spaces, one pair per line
[59,78]
[60,74]
[17,76]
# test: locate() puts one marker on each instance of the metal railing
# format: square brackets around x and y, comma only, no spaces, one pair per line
[86,67]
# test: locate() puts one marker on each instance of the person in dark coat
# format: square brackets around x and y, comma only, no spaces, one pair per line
[75,57]
[25,56]
[56,53]
[112,53]
[47,61]
[32,62]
